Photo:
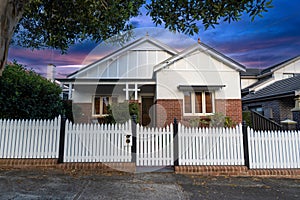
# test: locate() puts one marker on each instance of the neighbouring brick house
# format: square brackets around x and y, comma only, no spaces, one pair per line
[194,83]
[275,93]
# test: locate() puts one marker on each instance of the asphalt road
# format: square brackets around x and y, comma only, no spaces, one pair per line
[58,184]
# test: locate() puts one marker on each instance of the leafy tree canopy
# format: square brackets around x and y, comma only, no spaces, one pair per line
[26,95]
[59,24]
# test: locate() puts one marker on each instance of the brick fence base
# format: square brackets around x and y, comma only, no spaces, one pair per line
[130,167]
[27,163]
[100,167]
[236,171]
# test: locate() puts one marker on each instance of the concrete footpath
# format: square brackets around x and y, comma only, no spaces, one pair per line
[59,184]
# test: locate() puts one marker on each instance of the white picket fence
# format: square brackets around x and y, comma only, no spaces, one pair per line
[29,138]
[154,146]
[97,142]
[210,146]
[273,149]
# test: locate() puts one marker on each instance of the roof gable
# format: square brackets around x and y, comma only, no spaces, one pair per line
[142,45]
[200,47]
[278,66]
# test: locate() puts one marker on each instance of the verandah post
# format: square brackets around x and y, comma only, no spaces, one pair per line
[175,142]
[62,139]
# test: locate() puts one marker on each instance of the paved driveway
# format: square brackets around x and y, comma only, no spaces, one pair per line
[57,184]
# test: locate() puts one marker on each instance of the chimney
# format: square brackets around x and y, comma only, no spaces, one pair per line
[199,41]
[51,71]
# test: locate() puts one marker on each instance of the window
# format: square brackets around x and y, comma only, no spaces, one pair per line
[100,104]
[288,75]
[198,103]
[258,109]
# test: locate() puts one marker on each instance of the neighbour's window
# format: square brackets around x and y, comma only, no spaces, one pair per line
[100,105]
[258,109]
[288,75]
[198,103]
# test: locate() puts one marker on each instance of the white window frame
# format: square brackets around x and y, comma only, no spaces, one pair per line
[193,104]
[101,105]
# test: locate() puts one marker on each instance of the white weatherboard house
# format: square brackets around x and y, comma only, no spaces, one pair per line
[194,83]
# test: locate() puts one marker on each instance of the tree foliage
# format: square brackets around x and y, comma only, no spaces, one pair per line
[185,15]
[58,24]
[26,95]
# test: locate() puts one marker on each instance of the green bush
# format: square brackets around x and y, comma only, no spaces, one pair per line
[121,112]
[220,120]
[26,95]
[247,118]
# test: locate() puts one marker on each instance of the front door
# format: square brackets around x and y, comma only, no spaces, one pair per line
[147,112]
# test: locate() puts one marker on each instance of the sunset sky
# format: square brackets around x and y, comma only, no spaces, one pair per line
[260,44]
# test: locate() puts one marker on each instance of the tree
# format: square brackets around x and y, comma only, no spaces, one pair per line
[26,95]
[59,24]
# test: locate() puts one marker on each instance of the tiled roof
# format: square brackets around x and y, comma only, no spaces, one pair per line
[279,88]
[251,72]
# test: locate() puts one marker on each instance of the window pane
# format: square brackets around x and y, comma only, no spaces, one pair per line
[97,105]
[187,102]
[105,102]
[198,102]
[208,102]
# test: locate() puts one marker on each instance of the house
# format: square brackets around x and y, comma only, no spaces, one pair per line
[275,93]
[194,83]
[255,79]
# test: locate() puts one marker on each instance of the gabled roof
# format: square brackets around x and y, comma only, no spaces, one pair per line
[204,48]
[124,49]
[278,66]
[285,87]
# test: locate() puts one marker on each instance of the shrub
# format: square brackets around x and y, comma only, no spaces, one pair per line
[26,95]
[121,112]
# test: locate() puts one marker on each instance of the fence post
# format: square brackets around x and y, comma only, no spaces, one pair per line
[62,139]
[245,143]
[133,147]
[175,142]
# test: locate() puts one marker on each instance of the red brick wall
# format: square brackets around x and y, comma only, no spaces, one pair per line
[231,108]
[167,110]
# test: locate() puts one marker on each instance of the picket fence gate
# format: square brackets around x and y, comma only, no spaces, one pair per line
[29,138]
[154,146]
[97,142]
[210,146]
[273,149]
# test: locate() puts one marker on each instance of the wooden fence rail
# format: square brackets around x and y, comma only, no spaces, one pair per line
[273,149]
[29,138]
[97,142]
[210,146]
